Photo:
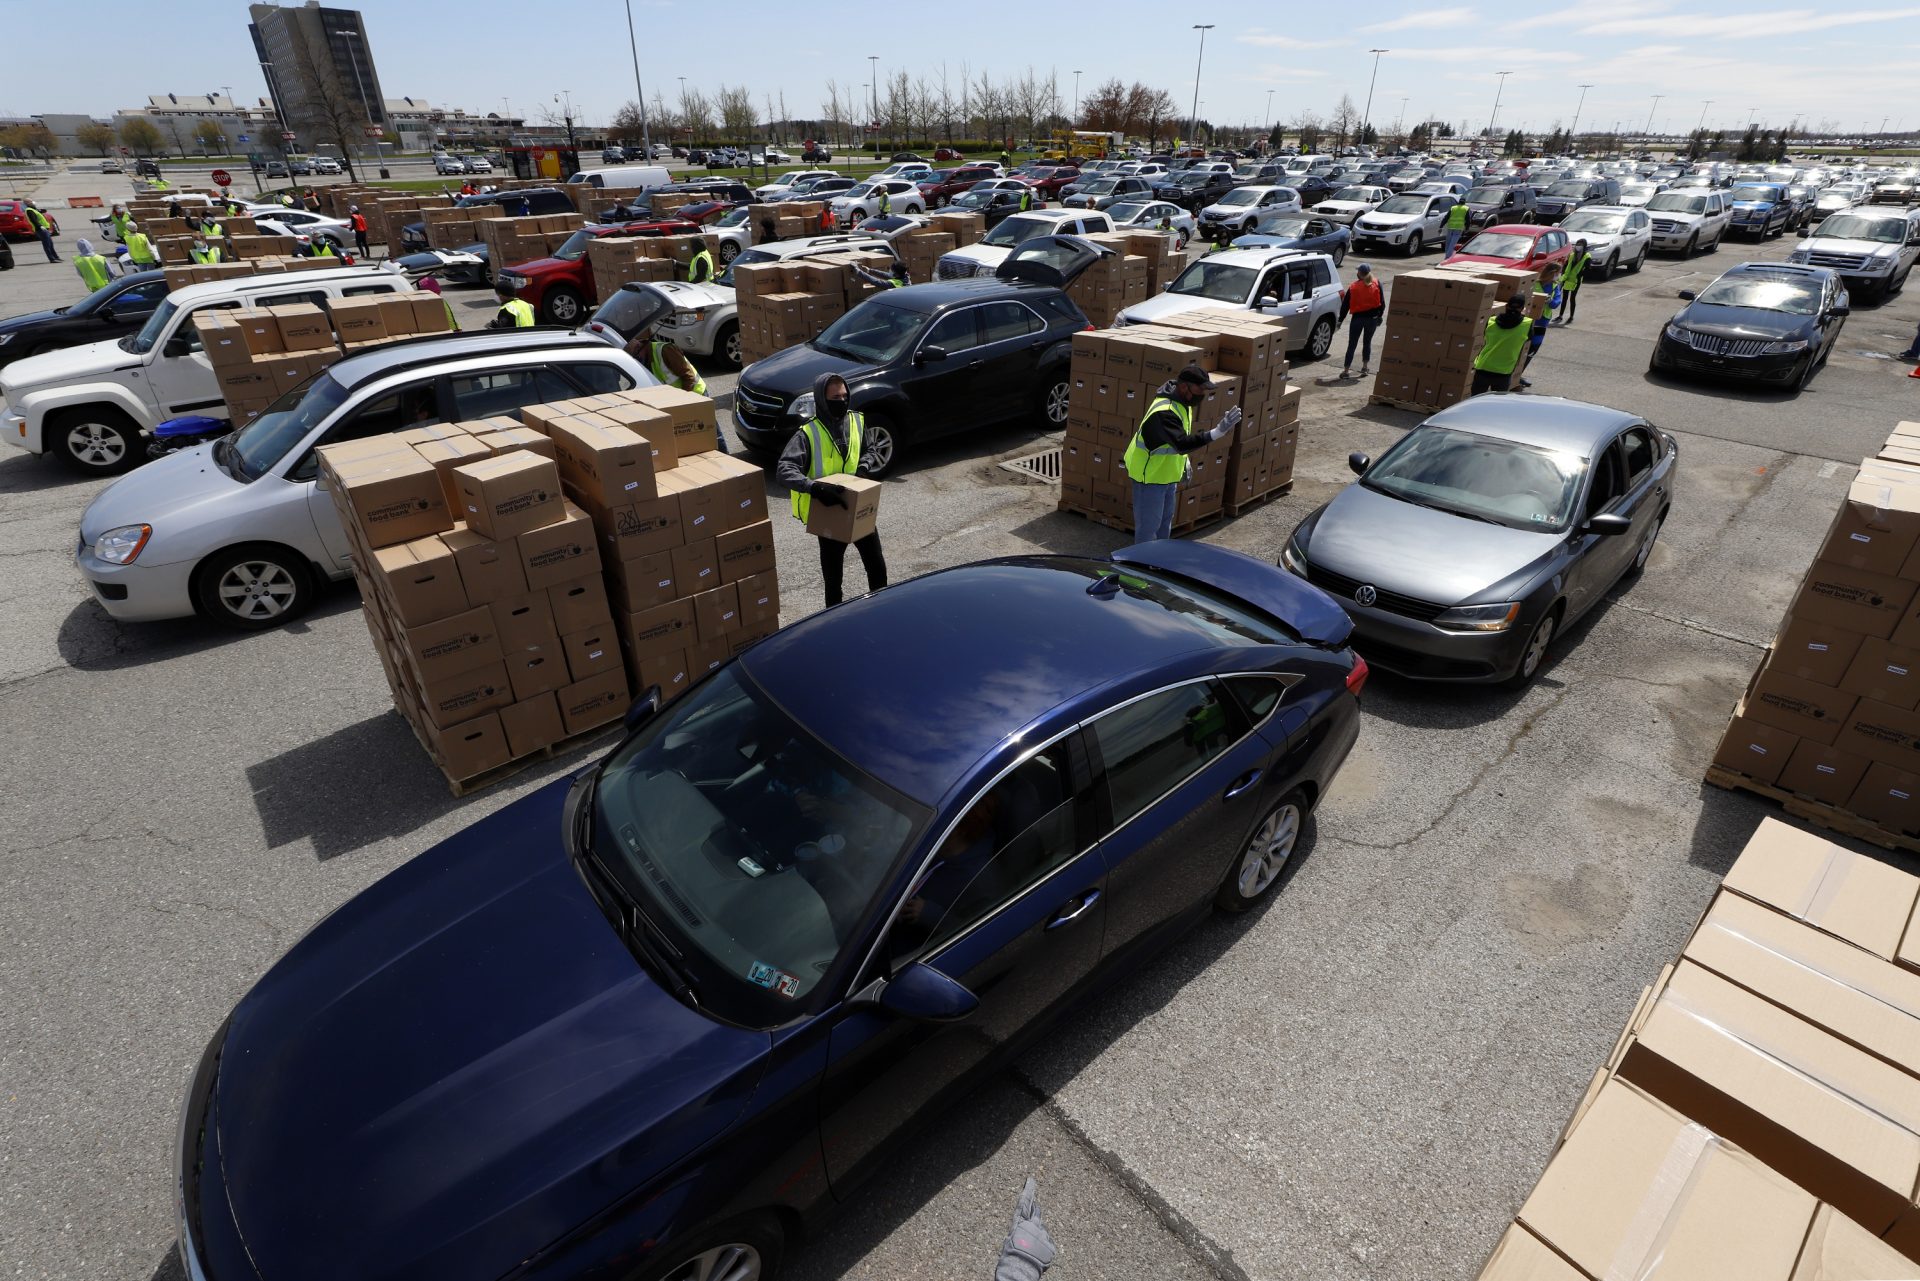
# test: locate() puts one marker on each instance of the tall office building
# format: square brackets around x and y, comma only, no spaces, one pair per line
[320,72]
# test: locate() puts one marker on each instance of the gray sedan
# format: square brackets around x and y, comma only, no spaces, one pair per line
[1486,531]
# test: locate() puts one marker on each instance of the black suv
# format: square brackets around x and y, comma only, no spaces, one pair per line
[730,190]
[1194,190]
[928,360]
[1491,204]
[513,204]
[117,309]
[1569,194]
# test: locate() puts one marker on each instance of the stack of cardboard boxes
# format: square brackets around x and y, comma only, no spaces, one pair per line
[259,354]
[1436,322]
[782,220]
[512,240]
[1117,373]
[1831,721]
[785,304]
[619,259]
[450,227]
[1760,1115]
[1114,283]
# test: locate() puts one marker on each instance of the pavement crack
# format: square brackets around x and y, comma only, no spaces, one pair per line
[1690,624]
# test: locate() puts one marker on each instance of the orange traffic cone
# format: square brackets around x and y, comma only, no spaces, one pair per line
[1914,372]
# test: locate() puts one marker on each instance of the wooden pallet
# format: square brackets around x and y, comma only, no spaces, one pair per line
[1278,491]
[1199,522]
[1099,518]
[1391,403]
[501,773]
[1819,813]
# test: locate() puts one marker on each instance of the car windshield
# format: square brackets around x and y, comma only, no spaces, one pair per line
[862,191]
[1281,225]
[1481,477]
[574,247]
[254,449]
[1017,230]
[875,332]
[1500,244]
[141,343]
[1674,202]
[1890,231]
[1098,187]
[1244,196]
[1215,280]
[1125,211]
[1193,179]
[1404,205]
[1604,223]
[753,847]
[1577,190]
[1360,194]
[1761,293]
[1766,194]
[1487,195]
[973,200]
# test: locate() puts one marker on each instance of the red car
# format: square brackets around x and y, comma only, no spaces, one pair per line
[14,224]
[1049,181]
[943,185]
[946,155]
[1517,244]
[560,289]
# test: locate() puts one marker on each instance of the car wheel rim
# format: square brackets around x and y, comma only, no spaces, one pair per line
[1646,548]
[256,590]
[1537,647]
[733,348]
[1057,396]
[96,445]
[1267,853]
[737,1262]
[879,446]
[565,308]
[1322,341]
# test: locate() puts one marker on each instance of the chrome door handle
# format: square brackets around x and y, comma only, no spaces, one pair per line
[1242,784]
[1073,909]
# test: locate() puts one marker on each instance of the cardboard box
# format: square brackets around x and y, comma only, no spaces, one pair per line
[512,438]
[1850,896]
[745,553]
[1522,1256]
[394,497]
[1885,673]
[1842,1124]
[507,495]
[591,650]
[716,613]
[1824,773]
[560,552]
[852,521]
[643,582]
[358,320]
[602,462]
[1871,604]
[1878,524]
[1757,750]
[470,748]
[660,630]
[1889,798]
[667,672]
[457,644]
[524,623]
[1638,1190]
[707,656]
[1838,1249]
[448,453]
[1814,650]
[698,496]
[696,567]
[579,604]
[696,428]
[1818,712]
[759,601]
[464,695]
[639,528]
[742,498]
[532,724]
[537,671]
[652,426]
[302,326]
[593,702]
[1879,732]
[420,580]
[489,570]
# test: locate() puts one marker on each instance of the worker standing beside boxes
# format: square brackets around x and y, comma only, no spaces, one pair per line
[1506,338]
[1156,458]
[830,445]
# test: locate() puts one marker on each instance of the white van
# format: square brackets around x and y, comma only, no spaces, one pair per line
[625,177]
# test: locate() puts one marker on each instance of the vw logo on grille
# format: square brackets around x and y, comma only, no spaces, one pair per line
[1365,595]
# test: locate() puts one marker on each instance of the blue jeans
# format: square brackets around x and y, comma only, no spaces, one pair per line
[1360,327]
[1153,508]
[1453,242]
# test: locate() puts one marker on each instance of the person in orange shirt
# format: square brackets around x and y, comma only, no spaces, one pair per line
[1363,305]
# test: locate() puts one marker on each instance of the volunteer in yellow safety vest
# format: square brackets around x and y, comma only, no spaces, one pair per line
[1156,458]
[834,442]
[202,252]
[118,220]
[43,228]
[140,252]
[93,269]
[666,362]
[513,314]
[700,267]
[1507,335]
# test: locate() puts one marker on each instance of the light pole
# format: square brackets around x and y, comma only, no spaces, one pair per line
[1496,103]
[1076,97]
[1401,123]
[640,94]
[873,78]
[1193,122]
[1650,110]
[686,116]
[1574,132]
[1269,110]
[1705,103]
[1367,115]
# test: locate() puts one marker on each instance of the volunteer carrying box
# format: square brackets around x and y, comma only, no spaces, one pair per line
[851,521]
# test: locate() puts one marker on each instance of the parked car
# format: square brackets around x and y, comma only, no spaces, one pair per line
[15,225]
[816,154]
[1235,212]
[111,165]
[328,165]
[1048,183]
[1770,322]
[995,206]
[560,287]
[1487,531]
[300,168]
[305,226]
[1689,219]
[1618,238]
[942,185]
[1194,188]
[89,405]
[236,531]
[1895,189]
[857,204]
[613,154]
[1405,222]
[278,169]
[1530,248]
[1569,194]
[927,360]
[1761,209]
[1103,192]
[1293,229]
[1502,202]
[986,255]
[946,155]
[1347,204]
[442,164]
[787,184]
[1302,289]
[1149,215]
[1635,195]
[1871,249]
[120,307]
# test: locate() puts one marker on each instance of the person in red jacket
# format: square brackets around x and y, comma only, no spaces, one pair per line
[358,221]
[1363,304]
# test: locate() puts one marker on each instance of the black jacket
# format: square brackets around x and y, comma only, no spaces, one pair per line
[796,460]
[1162,429]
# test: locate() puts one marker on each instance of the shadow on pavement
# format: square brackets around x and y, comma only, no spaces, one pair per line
[30,473]
[90,640]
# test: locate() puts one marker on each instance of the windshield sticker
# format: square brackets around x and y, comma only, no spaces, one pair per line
[778,981]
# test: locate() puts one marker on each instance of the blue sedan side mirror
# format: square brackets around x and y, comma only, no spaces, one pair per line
[644,709]
[1608,524]
[925,995]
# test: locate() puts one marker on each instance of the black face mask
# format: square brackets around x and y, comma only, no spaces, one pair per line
[835,409]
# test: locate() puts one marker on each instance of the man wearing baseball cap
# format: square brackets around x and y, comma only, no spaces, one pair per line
[1156,458]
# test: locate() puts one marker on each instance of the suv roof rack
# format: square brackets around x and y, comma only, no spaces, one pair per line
[403,354]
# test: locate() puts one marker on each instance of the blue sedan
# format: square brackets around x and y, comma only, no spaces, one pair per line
[654,1022]
[1291,229]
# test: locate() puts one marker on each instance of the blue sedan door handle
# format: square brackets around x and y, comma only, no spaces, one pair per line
[1242,783]
[1073,908]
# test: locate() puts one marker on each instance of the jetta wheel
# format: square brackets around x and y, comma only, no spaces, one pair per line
[1646,548]
[1536,651]
[253,588]
[1320,341]
[1265,856]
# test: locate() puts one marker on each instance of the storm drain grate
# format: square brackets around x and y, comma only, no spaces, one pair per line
[1044,465]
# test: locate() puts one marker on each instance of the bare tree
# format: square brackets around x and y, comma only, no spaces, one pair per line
[1159,114]
[140,136]
[735,107]
[1309,125]
[989,103]
[1104,107]
[327,111]
[626,126]
[95,137]
[944,107]
[835,111]
[1346,118]
[783,116]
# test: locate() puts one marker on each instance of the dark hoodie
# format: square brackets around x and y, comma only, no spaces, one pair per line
[1162,430]
[1500,352]
[796,460]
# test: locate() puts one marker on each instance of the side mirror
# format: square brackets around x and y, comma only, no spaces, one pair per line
[925,995]
[1607,525]
[1688,294]
[644,709]
[1842,309]
[930,355]
[106,313]
[1358,463]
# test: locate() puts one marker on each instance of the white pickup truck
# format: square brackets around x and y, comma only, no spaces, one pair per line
[89,405]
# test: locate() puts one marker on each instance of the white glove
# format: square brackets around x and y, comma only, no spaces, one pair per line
[1228,421]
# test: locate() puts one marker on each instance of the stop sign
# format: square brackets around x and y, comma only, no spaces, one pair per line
[221,178]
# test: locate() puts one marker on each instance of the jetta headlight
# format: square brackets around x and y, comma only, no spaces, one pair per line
[1292,559]
[1479,618]
[120,546]
[802,406]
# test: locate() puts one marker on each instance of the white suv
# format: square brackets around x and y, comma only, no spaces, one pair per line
[1687,219]
[1408,222]
[982,258]
[863,202]
[1303,289]
[1871,247]
[90,404]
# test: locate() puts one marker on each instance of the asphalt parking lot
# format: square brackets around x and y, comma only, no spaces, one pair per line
[1360,1080]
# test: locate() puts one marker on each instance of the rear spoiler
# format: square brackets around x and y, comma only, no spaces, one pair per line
[1303,608]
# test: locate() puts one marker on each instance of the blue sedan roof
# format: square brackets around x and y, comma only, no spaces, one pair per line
[919,683]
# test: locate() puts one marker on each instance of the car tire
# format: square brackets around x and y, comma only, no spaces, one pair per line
[1693,246]
[1263,860]
[1639,262]
[1181,243]
[96,440]
[1534,656]
[1639,564]
[1051,404]
[882,444]
[1416,245]
[747,1248]
[1339,254]
[564,306]
[728,252]
[253,587]
[1320,340]
[726,345]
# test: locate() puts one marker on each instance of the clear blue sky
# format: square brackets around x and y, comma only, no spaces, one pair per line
[1823,62]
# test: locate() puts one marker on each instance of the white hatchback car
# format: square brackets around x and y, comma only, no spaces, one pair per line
[863,202]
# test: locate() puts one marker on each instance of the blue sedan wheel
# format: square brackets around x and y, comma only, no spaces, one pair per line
[1265,856]
[749,1250]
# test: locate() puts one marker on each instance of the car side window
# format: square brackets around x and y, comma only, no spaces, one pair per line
[1299,282]
[956,331]
[1321,274]
[140,297]
[316,297]
[1636,448]
[364,291]
[1153,745]
[599,377]
[1005,321]
[501,391]
[414,405]
[1606,488]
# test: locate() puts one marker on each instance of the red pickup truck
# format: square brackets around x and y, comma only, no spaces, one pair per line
[560,288]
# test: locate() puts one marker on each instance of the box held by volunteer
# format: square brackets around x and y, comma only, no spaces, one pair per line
[851,521]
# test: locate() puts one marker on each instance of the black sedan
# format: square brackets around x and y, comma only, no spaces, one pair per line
[111,312]
[994,206]
[1770,322]
[1486,531]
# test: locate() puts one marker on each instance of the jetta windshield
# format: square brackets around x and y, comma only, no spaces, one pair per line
[1481,477]
[752,846]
